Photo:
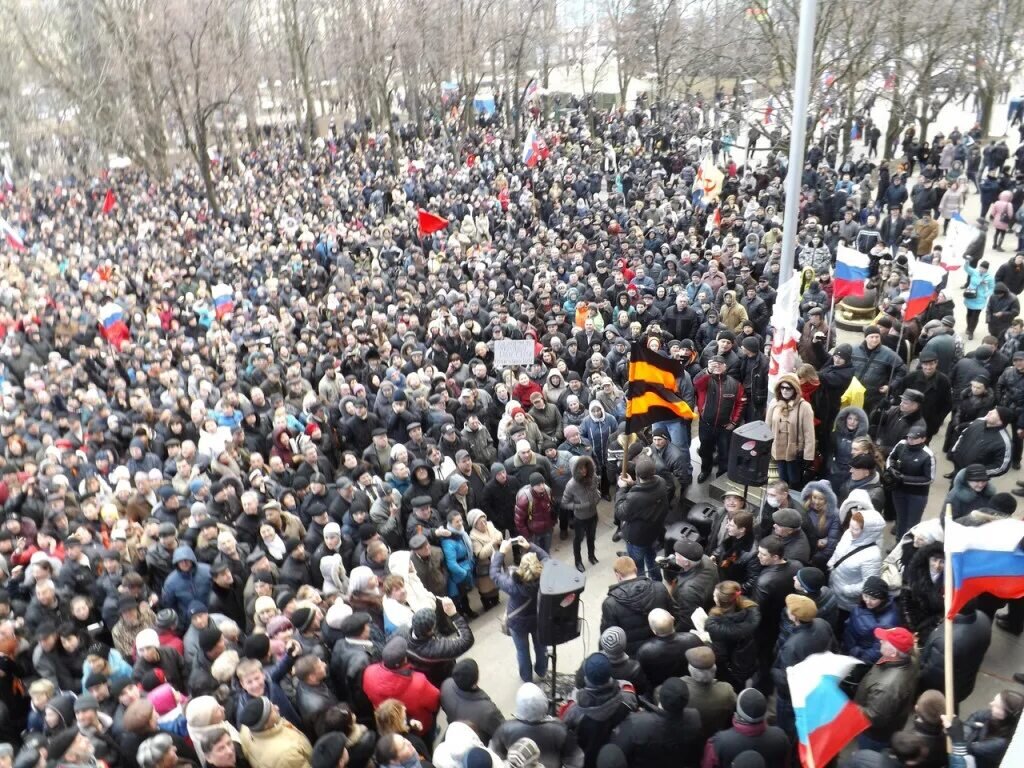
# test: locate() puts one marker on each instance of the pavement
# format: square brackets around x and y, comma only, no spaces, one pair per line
[494,651]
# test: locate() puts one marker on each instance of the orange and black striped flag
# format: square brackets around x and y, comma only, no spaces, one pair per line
[651,396]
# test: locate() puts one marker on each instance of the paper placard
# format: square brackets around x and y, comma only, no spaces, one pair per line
[508,352]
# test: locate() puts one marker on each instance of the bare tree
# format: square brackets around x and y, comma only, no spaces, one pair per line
[199,58]
[996,35]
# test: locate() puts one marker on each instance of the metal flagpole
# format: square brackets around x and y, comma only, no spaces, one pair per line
[798,133]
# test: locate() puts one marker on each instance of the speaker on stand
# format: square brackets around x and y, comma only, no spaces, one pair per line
[558,609]
[750,455]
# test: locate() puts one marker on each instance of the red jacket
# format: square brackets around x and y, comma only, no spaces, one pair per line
[420,697]
[171,640]
[533,512]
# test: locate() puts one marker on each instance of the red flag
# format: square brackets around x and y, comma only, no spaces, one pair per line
[109,201]
[430,222]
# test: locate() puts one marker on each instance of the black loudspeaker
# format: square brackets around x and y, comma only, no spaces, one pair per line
[678,532]
[558,603]
[750,453]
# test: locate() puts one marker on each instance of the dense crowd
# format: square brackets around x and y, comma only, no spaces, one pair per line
[252,528]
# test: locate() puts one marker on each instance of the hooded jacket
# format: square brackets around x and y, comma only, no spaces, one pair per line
[825,526]
[595,714]
[181,588]
[856,559]
[791,423]
[922,601]
[582,493]
[530,720]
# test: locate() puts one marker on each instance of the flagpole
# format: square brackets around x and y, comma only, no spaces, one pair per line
[798,135]
[947,574]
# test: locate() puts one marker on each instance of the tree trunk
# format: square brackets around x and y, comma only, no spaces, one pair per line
[986,104]
[203,158]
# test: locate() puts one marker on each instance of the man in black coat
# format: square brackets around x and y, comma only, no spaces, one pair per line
[352,654]
[226,593]
[773,584]
[666,737]
[972,633]
[432,653]
[641,507]
[936,389]
[749,732]
[664,655]
[810,635]
[630,601]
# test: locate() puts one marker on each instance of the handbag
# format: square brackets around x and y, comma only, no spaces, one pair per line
[970,293]
[503,619]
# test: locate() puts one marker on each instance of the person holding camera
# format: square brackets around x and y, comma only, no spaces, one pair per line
[522,585]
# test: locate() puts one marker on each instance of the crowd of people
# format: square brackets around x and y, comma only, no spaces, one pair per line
[253,527]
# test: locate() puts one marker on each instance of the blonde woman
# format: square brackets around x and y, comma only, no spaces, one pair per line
[522,584]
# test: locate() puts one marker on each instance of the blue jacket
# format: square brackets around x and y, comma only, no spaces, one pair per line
[982,284]
[459,559]
[181,588]
[859,638]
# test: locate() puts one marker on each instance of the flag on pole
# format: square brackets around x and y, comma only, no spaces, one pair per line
[8,181]
[826,720]
[651,393]
[959,236]
[429,223]
[531,90]
[785,336]
[987,558]
[852,270]
[924,284]
[708,183]
[223,300]
[12,236]
[109,201]
[534,148]
[112,324]
[768,109]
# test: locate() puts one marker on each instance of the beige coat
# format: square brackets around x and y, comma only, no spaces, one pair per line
[484,545]
[792,425]
[280,746]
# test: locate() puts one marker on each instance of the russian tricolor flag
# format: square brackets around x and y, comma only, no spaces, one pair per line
[985,559]
[852,270]
[112,324]
[12,236]
[223,301]
[924,284]
[826,721]
[534,148]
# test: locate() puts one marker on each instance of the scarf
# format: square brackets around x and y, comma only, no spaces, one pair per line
[456,533]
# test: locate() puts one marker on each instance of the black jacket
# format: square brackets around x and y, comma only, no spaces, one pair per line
[971,636]
[435,656]
[982,444]
[473,707]
[938,397]
[595,714]
[349,660]
[894,427]
[769,741]
[660,739]
[641,509]
[557,744]
[737,561]
[665,657]
[921,600]
[627,605]
[734,640]
[813,637]
[773,584]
